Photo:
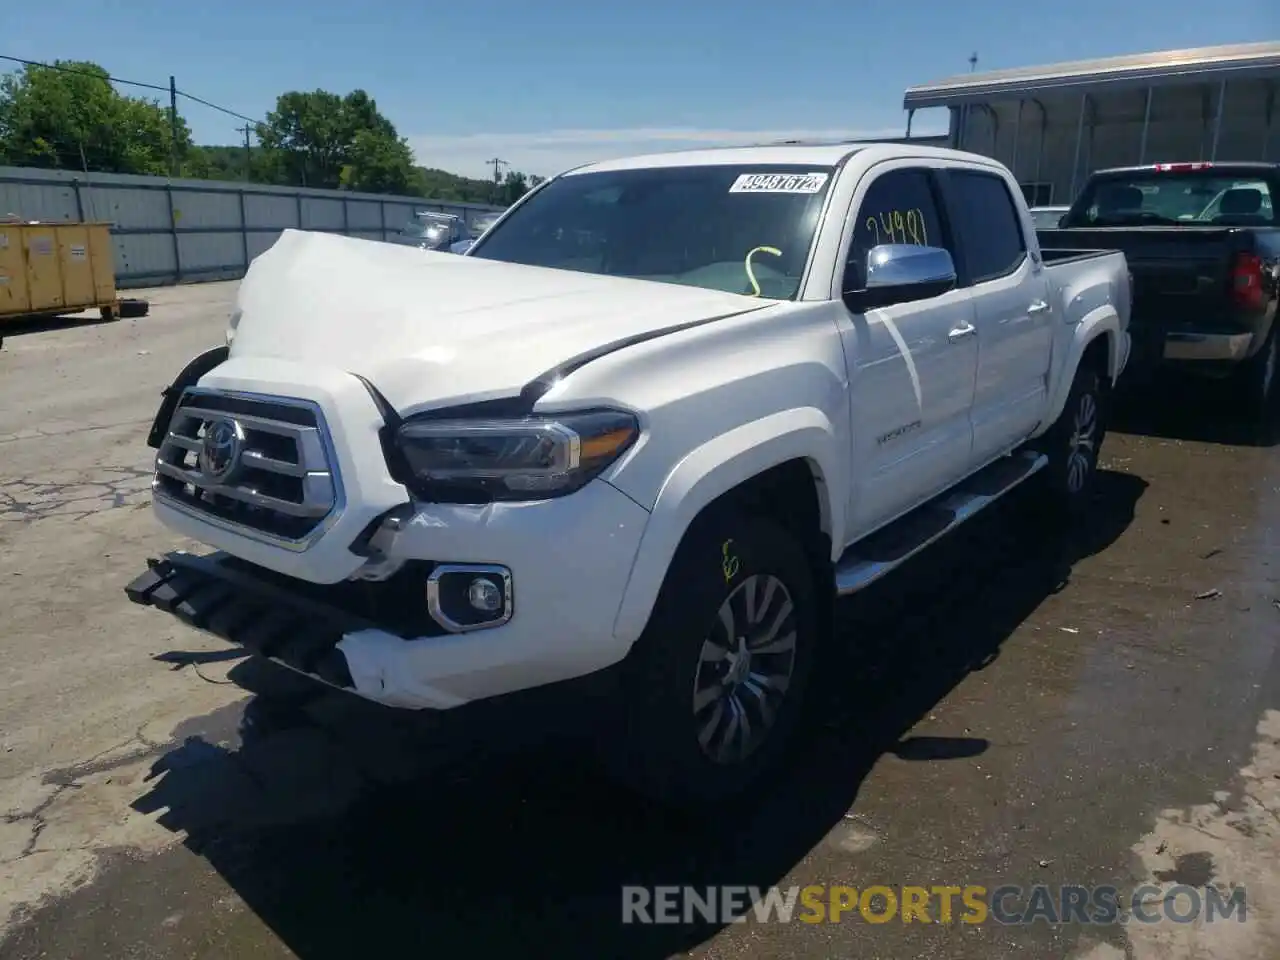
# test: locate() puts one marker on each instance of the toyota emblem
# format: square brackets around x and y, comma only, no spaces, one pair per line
[220,449]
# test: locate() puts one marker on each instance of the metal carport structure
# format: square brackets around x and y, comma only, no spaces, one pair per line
[1052,125]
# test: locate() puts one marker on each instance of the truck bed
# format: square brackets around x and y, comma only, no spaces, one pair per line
[1181,274]
[1057,257]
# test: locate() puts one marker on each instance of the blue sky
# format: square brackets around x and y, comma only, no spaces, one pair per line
[550,84]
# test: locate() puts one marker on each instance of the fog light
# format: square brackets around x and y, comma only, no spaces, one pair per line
[484,595]
[469,596]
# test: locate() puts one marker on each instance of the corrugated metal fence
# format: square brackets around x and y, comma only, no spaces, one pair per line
[178,231]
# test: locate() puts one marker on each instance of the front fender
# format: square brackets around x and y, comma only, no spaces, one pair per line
[1102,321]
[715,468]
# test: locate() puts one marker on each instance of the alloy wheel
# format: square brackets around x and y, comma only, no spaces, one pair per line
[745,669]
[1083,442]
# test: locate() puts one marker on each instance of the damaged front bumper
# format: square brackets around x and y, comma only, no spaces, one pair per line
[218,595]
[386,640]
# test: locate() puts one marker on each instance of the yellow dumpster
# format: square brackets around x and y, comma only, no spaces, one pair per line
[50,268]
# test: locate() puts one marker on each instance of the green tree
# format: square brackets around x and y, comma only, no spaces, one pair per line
[73,118]
[320,139]
[230,163]
[442,185]
[379,163]
[514,186]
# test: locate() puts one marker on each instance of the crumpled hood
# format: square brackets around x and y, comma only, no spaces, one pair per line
[428,328]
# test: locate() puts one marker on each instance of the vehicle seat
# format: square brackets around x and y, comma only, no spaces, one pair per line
[1120,200]
[1241,207]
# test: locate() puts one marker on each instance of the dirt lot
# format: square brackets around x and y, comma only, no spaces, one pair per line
[1014,710]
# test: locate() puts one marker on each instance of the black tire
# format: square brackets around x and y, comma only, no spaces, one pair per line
[132,309]
[1259,375]
[1073,443]
[653,745]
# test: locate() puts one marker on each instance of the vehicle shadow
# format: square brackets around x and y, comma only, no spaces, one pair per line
[1175,406]
[45,322]
[351,830]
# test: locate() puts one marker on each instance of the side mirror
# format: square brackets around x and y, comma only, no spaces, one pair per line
[902,273]
[1062,221]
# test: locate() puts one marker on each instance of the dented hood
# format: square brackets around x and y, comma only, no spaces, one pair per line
[429,329]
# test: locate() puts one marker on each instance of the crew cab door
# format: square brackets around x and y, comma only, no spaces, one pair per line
[911,365]
[1014,311]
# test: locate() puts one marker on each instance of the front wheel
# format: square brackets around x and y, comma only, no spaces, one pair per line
[713,689]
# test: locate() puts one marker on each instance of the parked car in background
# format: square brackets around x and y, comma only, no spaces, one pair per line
[476,230]
[483,222]
[1046,218]
[429,230]
[1203,243]
[640,437]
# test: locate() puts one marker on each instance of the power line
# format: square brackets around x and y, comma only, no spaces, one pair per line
[131,83]
[83,73]
[230,113]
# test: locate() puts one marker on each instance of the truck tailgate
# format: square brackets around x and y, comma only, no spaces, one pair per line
[1180,274]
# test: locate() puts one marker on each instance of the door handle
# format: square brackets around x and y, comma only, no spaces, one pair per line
[966,329]
[1038,306]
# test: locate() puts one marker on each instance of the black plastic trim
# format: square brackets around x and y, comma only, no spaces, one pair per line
[540,384]
[171,394]
[227,403]
[211,596]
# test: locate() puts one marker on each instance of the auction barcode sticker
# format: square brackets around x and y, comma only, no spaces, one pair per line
[779,183]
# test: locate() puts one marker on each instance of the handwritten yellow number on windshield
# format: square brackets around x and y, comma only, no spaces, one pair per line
[899,226]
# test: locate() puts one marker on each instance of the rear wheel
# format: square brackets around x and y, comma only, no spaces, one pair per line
[714,687]
[1073,443]
[1258,376]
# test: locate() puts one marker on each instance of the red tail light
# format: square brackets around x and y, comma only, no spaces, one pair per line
[1246,281]
[1182,167]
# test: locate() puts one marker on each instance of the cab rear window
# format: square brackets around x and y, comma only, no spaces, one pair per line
[1170,197]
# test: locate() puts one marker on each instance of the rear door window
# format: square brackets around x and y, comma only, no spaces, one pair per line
[988,225]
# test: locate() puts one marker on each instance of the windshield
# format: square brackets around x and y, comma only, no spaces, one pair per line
[1175,197]
[733,228]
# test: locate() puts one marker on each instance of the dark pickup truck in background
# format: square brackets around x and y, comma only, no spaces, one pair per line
[1203,245]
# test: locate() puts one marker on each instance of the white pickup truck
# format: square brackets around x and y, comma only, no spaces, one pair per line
[644,432]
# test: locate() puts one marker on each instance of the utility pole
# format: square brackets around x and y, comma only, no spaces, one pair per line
[173,127]
[962,134]
[248,156]
[497,165]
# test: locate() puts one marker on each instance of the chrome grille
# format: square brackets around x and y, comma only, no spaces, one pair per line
[274,481]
